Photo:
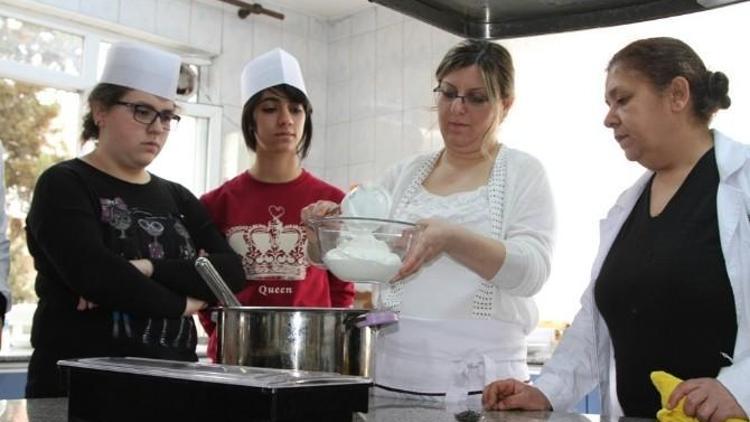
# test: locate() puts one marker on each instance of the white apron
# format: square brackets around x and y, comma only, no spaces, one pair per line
[429,356]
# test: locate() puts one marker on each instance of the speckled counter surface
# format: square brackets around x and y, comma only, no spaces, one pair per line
[55,410]
[37,410]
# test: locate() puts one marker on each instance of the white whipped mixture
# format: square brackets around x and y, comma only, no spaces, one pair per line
[362,257]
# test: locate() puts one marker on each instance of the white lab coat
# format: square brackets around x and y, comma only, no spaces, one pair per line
[584,359]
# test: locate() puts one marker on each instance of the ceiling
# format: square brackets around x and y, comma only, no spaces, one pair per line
[324,8]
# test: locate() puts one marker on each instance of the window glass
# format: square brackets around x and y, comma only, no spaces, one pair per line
[40,128]
[181,159]
[36,45]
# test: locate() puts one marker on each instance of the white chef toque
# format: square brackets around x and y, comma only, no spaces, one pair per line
[270,69]
[144,68]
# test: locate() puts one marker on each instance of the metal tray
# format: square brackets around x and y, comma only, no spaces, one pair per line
[128,389]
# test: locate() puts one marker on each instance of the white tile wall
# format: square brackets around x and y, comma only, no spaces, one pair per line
[172,15]
[362,95]
[363,22]
[103,9]
[317,30]
[63,4]
[234,55]
[337,145]
[362,142]
[339,60]
[139,14]
[337,176]
[206,27]
[385,17]
[295,23]
[267,33]
[340,28]
[388,140]
[317,61]
[386,63]
[298,47]
[338,103]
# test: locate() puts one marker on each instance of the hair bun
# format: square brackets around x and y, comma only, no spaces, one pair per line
[718,88]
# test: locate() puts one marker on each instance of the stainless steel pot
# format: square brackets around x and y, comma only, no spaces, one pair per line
[314,339]
[310,339]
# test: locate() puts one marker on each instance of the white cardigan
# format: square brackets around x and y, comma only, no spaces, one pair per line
[457,331]
[521,216]
[584,360]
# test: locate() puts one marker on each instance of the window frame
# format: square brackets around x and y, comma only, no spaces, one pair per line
[208,175]
[50,78]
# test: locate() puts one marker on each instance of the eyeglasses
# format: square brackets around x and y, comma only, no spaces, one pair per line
[147,115]
[472,99]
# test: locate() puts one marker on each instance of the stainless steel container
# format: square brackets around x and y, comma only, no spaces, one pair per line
[312,339]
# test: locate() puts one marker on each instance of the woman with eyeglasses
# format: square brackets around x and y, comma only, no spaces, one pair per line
[114,245]
[464,294]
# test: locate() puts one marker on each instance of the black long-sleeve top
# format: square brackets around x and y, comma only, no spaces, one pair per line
[664,292]
[83,228]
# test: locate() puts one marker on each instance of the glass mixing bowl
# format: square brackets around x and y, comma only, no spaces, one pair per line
[364,249]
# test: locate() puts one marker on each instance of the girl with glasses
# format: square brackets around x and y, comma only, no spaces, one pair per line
[113,244]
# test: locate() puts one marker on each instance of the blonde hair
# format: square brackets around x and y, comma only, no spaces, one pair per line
[495,65]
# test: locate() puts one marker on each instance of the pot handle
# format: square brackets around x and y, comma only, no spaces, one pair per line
[217,284]
[376,319]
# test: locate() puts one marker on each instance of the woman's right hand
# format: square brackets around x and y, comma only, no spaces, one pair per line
[193,305]
[314,211]
[510,394]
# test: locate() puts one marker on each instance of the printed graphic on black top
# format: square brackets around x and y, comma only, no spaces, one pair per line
[140,234]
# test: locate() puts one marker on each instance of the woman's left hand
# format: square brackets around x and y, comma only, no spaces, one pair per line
[435,238]
[706,399]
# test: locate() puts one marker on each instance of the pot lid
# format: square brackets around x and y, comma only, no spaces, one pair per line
[265,378]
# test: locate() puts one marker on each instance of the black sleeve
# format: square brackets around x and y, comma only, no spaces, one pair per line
[67,244]
[180,275]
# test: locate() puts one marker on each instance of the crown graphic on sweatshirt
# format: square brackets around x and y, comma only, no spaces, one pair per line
[272,250]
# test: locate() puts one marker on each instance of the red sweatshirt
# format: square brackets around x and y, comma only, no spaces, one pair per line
[262,223]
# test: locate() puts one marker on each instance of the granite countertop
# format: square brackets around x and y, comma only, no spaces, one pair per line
[55,410]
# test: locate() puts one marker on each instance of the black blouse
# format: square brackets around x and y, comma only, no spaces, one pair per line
[664,292]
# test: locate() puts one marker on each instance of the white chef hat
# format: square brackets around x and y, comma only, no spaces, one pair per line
[144,68]
[270,69]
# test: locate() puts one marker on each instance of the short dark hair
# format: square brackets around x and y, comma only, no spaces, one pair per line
[494,62]
[662,59]
[104,95]
[292,94]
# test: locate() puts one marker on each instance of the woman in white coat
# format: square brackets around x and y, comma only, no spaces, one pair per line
[669,286]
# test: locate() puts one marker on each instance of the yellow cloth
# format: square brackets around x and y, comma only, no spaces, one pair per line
[665,383]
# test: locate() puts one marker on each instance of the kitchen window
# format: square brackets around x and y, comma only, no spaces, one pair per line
[45,71]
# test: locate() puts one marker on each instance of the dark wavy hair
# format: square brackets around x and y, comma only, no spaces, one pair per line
[662,59]
[105,95]
[292,94]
